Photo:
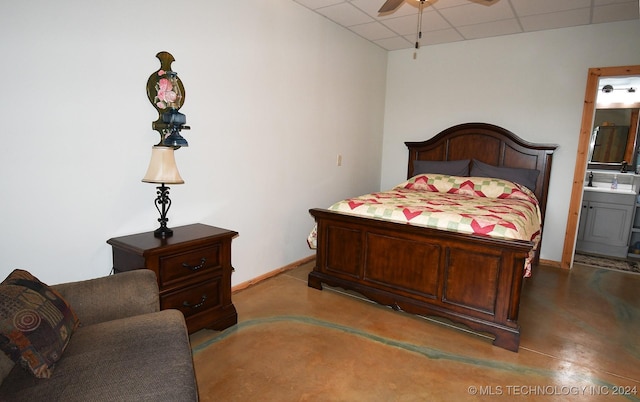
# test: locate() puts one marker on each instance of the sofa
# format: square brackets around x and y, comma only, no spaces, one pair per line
[122,349]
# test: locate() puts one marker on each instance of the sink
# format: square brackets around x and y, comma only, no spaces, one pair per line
[606,188]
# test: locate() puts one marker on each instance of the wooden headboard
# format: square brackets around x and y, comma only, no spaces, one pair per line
[489,144]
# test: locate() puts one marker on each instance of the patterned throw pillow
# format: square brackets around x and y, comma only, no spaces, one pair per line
[36,323]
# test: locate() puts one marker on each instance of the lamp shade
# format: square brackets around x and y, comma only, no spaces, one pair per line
[162,168]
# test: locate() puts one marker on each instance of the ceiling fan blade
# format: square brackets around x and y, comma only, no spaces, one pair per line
[390,5]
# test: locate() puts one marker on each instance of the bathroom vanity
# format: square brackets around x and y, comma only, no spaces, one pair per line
[609,221]
[634,236]
[609,215]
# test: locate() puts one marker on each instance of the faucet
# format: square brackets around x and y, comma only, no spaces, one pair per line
[623,168]
[590,180]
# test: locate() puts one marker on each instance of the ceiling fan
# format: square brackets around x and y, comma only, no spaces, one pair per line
[390,6]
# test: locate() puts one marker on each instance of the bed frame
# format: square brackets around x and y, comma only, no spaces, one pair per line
[468,279]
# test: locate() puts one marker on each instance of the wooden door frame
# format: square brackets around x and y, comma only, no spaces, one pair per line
[588,112]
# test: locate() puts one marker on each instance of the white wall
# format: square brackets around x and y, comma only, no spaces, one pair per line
[532,84]
[273,93]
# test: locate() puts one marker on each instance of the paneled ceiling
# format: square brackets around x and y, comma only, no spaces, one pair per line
[447,21]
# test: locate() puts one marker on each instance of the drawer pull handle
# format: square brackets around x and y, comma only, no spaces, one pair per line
[197,305]
[197,267]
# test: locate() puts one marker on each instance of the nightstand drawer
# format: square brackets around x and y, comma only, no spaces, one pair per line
[178,267]
[194,299]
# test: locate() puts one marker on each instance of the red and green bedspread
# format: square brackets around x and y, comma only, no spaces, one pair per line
[476,205]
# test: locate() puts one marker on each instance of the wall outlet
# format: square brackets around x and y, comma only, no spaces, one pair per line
[339,160]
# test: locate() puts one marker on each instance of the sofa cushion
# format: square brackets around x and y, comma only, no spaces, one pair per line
[6,365]
[141,358]
[112,297]
[36,323]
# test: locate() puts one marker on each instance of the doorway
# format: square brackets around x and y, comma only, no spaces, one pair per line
[588,111]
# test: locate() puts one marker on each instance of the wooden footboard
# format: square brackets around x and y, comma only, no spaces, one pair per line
[468,279]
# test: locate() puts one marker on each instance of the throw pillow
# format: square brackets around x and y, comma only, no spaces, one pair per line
[451,168]
[36,323]
[526,177]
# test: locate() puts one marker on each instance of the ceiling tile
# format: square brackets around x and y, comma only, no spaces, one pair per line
[471,13]
[616,12]
[439,4]
[495,28]
[373,31]
[528,7]
[442,36]
[607,2]
[345,14]
[431,21]
[395,43]
[315,4]
[402,26]
[570,18]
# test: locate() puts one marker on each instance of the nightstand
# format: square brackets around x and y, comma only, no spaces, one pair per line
[193,268]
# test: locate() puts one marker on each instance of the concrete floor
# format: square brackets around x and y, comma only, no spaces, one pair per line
[580,340]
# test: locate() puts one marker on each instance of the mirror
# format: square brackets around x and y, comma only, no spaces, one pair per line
[610,140]
[614,133]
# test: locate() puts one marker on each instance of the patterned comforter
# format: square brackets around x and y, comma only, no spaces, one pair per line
[475,205]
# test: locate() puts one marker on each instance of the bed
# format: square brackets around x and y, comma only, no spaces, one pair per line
[469,278]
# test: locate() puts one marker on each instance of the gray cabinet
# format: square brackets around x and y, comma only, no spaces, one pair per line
[634,237]
[605,222]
